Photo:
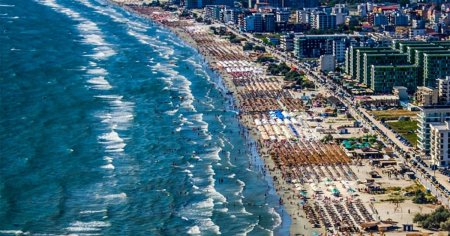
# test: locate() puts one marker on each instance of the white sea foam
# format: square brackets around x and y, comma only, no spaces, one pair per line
[201,213]
[189,173]
[172,112]
[214,154]
[108,166]
[194,230]
[14,232]
[80,226]
[113,196]
[112,141]
[276,217]
[241,188]
[100,83]
[249,229]
[93,211]
[89,31]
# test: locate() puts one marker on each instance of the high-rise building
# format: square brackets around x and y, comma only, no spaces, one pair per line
[401,19]
[380,19]
[439,144]
[372,58]
[430,115]
[385,77]
[303,17]
[339,47]
[435,66]
[340,11]
[259,27]
[249,23]
[444,90]
[269,22]
[313,46]
[362,10]
[287,42]
[213,12]
[327,63]
[323,21]
[283,15]
[431,61]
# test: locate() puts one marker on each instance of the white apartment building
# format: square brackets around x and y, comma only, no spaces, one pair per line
[439,143]
[327,63]
[444,90]
[430,115]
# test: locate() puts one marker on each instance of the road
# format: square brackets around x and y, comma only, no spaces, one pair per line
[388,137]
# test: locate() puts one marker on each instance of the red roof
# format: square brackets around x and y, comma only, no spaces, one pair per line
[388,8]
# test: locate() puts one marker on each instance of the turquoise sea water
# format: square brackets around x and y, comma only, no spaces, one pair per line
[110,125]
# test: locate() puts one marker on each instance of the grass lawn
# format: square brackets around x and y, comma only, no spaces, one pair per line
[392,114]
[406,129]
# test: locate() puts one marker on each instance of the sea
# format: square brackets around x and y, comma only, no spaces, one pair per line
[112,125]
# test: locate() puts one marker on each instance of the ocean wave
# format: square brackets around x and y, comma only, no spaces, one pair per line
[80,226]
[112,196]
[112,141]
[241,188]
[201,213]
[172,112]
[99,83]
[93,211]
[14,232]
[89,30]
[108,166]
[194,230]
[275,217]
[97,71]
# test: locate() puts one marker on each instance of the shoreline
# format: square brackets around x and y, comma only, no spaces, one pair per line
[225,86]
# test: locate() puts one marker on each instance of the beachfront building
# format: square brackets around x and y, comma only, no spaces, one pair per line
[439,144]
[444,90]
[213,12]
[327,63]
[385,78]
[354,58]
[370,59]
[430,115]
